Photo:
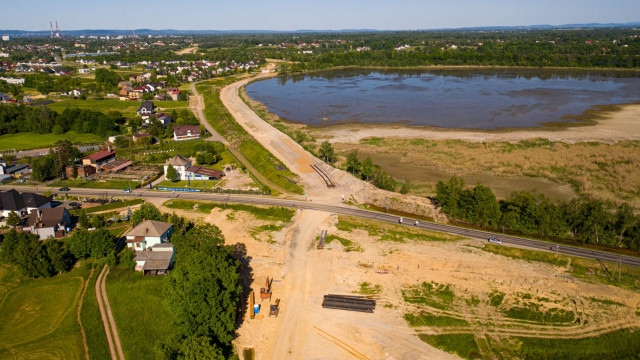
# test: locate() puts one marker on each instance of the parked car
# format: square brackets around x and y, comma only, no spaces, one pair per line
[126,191]
[64,189]
[495,241]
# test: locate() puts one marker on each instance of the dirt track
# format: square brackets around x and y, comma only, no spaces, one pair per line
[107,317]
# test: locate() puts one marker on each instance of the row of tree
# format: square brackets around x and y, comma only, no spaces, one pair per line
[585,220]
[42,120]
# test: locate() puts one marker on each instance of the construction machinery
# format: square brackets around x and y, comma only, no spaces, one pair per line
[252,313]
[275,308]
[265,292]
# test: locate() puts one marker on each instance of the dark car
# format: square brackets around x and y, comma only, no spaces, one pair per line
[64,189]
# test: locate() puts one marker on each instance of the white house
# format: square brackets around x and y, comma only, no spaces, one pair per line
[84,71]
[186,132]
[147,234]
[180,164]
[22,203]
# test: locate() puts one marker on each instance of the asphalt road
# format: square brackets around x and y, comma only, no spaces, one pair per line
[353,211]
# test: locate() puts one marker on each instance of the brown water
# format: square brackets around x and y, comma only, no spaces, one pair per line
[473,99]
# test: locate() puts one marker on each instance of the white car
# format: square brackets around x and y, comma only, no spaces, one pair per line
[495,241]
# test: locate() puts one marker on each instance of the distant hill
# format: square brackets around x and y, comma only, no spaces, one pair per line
[169,32]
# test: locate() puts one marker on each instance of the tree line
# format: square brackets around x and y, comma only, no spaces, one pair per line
[587,221]
[42,120]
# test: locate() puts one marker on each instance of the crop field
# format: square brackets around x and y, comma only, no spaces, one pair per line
[139,312]
[38,317]
[27,140]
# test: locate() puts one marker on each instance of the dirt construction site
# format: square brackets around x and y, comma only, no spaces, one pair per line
[426,286]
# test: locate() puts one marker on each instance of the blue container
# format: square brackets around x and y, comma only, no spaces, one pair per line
[256,308]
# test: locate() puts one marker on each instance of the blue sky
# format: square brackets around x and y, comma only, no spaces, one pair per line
[301,14]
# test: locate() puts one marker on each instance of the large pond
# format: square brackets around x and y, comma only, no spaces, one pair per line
[473,99]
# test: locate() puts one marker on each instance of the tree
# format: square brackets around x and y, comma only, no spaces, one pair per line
[13,219]
[367,169]
[448,195]
[208,273]
[171,174]
[44,168]
[406,186]
[122,142]
[327,153]
[79,244]
[146,211]
[199,348]
[101,243]
[353,164]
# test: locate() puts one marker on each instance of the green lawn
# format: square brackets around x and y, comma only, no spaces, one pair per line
[195,184]
[109,206]
[127,108]
[28,140]
[38,317]
[89,184]
[141,318]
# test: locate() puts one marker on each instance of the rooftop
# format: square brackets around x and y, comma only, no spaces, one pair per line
[178,161]
[100,155]
[150,228]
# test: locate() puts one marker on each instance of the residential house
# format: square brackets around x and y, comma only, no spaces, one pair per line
[200,173]
[157,260]
[13,81]
[51,222]
[100,158]
[180,164]
[18,170]
[165,119]
[84,171]
[125,84]
[146,109]
[22,203]
[138,136]
[84,71]
[125,91]
[4,97]
[147,234]
[186,132]
[175,94]
[160,97]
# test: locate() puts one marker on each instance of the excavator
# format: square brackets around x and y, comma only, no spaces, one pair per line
[265,292]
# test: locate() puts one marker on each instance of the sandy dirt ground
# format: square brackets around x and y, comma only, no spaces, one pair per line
[190,50]
[302,275]
[614,126]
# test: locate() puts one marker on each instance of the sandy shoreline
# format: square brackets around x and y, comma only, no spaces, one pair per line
[611,127]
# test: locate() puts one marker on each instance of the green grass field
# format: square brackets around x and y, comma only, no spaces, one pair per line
[28,140]
[139,313]
[113,184]
[127,108]
[92,321]
[195,184]
[38,317]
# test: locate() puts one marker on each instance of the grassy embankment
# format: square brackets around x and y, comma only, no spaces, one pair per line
[111,184]
[261,159]
[139,312]
[606,171]
[271,213]
[109,206]
[38,317]
[391,232]
[585,269]
[127,108]
[28,140]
